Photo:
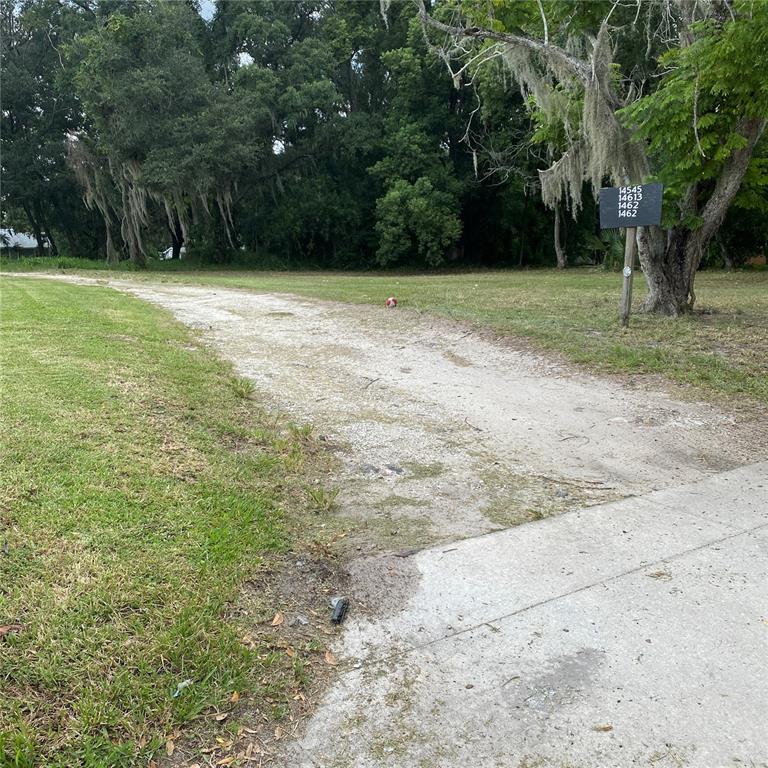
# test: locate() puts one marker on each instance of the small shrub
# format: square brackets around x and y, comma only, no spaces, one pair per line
[322,500]
[242,387]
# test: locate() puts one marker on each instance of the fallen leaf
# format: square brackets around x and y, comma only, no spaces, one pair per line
[235,697]
[152,764]
[278,620]
[299,697]
[278,732]
[169,747]
[227,760]
[330,659]
[6,628]
[290,652]
[602,728]
[222,716]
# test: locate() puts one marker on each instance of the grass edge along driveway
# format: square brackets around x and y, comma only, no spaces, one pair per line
[140,486]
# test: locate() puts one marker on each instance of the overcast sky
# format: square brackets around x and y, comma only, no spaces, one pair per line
[207,8]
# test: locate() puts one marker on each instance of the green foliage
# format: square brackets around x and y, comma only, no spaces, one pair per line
[17,750]
[416,219]
[693,120]
[242,388]
[418,216]
[317,119]
[322,501]
[742,235]
[163,128]
[39,193]
[315,134]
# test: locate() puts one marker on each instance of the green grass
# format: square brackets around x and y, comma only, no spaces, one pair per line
[720,350]
[130,515]
[36,263]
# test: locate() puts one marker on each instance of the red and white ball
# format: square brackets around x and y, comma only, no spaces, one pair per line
[391,302]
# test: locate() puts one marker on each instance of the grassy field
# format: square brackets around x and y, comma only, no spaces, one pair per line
[720,350]
[140,486]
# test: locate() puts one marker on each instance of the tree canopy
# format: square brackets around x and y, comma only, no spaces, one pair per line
[331,133]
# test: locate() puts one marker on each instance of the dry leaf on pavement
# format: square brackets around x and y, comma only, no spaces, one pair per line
[278,620]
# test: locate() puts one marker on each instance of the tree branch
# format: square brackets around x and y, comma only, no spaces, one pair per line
[577,67]
[83,5]
[729,181]
[544,21]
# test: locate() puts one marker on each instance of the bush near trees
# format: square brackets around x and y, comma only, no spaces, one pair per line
[331,133]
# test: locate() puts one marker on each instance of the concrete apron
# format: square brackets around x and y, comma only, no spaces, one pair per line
[632,633]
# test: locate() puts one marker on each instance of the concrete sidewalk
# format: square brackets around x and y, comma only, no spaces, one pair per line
[632,633]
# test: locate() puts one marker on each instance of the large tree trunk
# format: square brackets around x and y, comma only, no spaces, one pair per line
[136,255]
[48,232]
[177,237]
[562,258]
[36,229]
[667,273]
[670,262]
[113,254]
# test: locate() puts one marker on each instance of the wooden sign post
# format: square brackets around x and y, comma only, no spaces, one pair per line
[630,248]
[628,208]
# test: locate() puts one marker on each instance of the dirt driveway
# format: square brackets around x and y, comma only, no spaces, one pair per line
[447,434]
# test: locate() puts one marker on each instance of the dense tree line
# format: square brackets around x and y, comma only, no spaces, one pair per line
[347,134]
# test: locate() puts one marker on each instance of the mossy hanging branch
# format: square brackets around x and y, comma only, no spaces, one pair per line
[116,191]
